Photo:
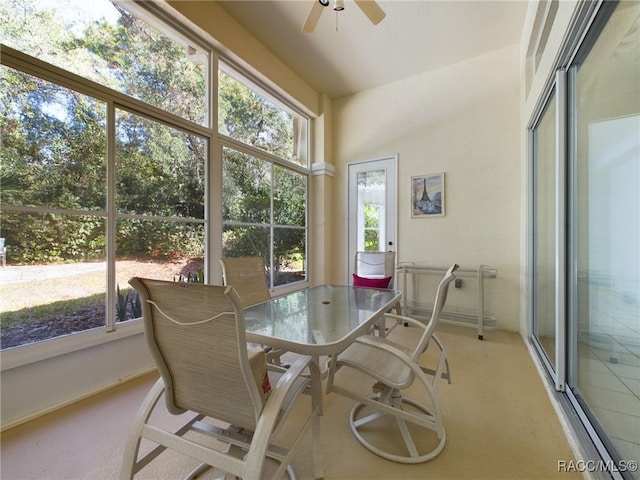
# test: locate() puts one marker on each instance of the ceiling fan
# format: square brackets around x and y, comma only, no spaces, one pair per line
[369,7]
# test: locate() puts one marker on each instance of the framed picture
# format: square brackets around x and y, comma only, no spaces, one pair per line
[427,195]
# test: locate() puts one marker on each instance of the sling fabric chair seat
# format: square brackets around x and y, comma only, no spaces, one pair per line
[247,275]
[395,368]
[196,335]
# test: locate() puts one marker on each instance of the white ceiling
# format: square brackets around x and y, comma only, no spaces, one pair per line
[416,36]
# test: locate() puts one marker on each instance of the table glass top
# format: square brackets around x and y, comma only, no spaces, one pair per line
[318,315]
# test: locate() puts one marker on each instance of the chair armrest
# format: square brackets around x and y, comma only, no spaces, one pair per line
[296,370]
[280,394]
[287,381]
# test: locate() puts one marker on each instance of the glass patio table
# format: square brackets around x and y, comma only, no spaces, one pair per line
[317,321]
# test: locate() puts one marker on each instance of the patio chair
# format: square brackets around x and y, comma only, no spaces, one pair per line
[374,269]
[247,275]
[395,368]
[196,334]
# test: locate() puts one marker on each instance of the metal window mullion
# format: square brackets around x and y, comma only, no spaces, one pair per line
[162,218]
[260,154]
[560,231]
[51,210]
[272,229]
[212,229]
[213,193]
[572,232]
[531,226]
[111,218]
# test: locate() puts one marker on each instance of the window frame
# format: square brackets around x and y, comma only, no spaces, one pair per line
[261,155]
[156,17]
[113,100]
[587,24]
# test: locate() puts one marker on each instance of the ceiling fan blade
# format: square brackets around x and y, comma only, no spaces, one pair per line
[313,17]
[372,10]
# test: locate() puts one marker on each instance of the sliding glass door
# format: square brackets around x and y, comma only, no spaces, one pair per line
[585,224]
[605,231]
[544,238]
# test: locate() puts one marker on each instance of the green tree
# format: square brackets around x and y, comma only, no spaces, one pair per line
[54,146]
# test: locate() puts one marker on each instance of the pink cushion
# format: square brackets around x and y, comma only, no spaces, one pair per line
[371,282]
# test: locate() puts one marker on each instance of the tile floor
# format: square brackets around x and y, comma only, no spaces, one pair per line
[608,367]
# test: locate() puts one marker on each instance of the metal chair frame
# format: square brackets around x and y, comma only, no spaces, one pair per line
[196,335]
[394,368]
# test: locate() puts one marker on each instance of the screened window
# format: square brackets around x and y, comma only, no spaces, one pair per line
[106,149]
[104,165]
[253,118]
[104,43]
[264,214]
[264,186]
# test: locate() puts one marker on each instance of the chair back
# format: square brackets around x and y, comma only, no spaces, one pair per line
[247,275]
[438,305]
[375,264]
[196,334]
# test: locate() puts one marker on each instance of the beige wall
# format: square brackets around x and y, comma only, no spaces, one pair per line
[461,120]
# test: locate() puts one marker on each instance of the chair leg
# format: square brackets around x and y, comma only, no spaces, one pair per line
[129,462]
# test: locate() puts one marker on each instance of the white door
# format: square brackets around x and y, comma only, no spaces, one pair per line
[372,207]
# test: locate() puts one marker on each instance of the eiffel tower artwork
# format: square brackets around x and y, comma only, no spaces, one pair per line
[428,195]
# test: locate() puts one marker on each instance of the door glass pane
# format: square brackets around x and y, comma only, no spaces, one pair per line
[371,211]
[544,251]
[607,231]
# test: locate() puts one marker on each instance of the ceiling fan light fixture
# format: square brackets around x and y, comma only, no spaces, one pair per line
[369,7]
